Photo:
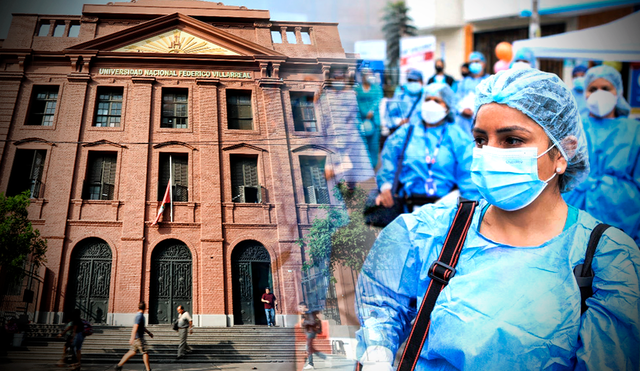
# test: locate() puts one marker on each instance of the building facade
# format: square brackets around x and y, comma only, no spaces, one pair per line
[238,115]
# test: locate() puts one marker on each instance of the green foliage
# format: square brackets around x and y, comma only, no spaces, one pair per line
[18,240]
[341,237]
[396,24]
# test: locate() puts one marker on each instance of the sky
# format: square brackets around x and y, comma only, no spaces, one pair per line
[358,19]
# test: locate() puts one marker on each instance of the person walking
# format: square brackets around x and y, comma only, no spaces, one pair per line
[137,340]
[185,324]
[312,326]
[270,303]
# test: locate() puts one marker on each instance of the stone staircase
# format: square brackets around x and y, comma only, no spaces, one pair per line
[253,344]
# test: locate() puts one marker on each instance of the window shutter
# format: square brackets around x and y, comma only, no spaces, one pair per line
[108,176]
[163,176]
[180,178]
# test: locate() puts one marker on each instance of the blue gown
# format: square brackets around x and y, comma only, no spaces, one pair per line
[400,106]
[506,308]
[452,166]
[611,193]
[582,103]
[466,86]
[369,101]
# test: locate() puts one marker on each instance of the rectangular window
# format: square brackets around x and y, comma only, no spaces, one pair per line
[245,186]
[175,110]
[43,105]
[276,36]
[239,111]
[313,180]
[59,30]
[180,172]
[44,29]
[304,116]
[74,30]
[108,107]
[101,176]
[26,173]
[306,37]
[291,37]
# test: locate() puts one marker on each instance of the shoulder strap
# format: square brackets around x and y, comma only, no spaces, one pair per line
[413,107]
[441,271]
[396,175]
[583,272]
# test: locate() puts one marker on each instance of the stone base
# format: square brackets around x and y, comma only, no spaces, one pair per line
[124,319]
[50,318]
[287,320]
[212,320]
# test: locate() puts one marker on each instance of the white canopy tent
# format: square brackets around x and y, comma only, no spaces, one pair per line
[615,41]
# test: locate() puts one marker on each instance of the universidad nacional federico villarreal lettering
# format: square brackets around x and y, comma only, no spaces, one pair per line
[173,73]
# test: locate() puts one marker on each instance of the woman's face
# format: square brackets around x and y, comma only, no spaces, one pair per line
[501,126]
[601,84]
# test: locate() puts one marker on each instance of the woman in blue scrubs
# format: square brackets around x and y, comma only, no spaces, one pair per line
[612,190]
[513,303]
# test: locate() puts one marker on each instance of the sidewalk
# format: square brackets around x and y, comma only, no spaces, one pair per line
[338,364]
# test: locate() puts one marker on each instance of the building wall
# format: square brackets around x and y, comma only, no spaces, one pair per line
[210,224]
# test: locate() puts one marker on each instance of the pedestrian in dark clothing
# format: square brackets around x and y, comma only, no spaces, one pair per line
[137,340]
[440,76]
[312,326]
[270,303]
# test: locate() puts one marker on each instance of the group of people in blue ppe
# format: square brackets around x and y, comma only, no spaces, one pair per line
[513,302]
[611,192]
[466,89]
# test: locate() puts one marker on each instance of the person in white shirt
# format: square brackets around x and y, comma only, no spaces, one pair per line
[185,323]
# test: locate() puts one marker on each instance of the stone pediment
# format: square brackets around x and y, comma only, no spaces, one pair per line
[174,34]
[178,42]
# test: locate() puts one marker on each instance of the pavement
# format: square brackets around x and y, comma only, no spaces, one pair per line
[337,364]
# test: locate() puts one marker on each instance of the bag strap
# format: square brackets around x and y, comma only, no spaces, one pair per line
[413,107]
[441,271]
[396,175]
[583,272]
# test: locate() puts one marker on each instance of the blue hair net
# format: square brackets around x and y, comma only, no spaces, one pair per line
[546,100]
[613,76]
[579,68]
[525,54]
[444,92]
[477,55]
[414,75]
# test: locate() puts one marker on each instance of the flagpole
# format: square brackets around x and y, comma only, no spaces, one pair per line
[171,185]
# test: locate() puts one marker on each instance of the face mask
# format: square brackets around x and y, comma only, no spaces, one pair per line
[521,66]
[413,87]
[601,103]
[464,74]
[371,79]
[475,68]
[578,83]
[432,112]
[508,178]
[439,69]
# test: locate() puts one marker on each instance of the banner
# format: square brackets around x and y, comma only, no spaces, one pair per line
[417,53]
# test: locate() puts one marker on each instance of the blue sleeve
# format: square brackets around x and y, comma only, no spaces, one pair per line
[390,155]
[386,290]
[610,330]
[463,146]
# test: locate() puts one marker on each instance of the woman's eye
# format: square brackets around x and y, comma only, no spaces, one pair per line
[513,141]
[479,142]
[591,90]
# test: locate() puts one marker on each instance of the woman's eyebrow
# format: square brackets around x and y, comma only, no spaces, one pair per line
[512,128]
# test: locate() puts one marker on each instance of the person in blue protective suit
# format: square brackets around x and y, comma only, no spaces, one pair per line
[612,190]
[523,58]
[578,88]
[513,302]
[466,89]
[369,93]
[405,100]
[437,158]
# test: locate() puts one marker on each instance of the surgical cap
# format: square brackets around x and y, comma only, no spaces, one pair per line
[444,92]
[613,76]
[579,68]
[525,54]
[477,55]
[546,100]
[414,75]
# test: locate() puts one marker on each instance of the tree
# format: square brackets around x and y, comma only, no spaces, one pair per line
[18,240]
[396,24]
[342,237]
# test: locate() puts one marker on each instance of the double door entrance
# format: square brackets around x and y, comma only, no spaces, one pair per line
[171,281]
[251,274]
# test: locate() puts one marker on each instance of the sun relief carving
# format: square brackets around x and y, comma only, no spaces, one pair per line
[176,42]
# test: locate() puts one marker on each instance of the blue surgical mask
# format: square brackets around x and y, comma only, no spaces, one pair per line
[508,178]
[475,68]
[578,83]
[413,87]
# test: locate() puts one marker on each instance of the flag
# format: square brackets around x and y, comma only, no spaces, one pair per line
[165,200]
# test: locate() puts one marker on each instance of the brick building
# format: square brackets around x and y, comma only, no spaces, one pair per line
[96,112]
